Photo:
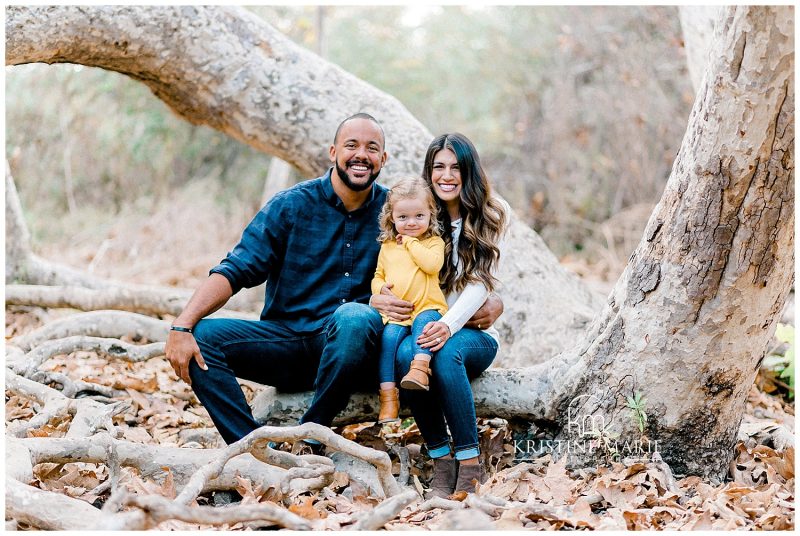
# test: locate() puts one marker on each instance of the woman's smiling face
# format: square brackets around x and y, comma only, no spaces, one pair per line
[446,177]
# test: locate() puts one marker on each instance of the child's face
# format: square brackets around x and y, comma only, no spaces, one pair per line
[411,217]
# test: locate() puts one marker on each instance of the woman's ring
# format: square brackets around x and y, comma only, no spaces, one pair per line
[479,325]
[438,340]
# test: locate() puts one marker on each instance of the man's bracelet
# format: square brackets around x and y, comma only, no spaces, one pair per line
[181,328]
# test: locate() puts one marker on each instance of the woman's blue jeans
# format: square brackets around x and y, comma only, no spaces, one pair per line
[449,403]
[335,361]
[394,334]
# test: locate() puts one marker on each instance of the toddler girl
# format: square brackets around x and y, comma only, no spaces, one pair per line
[411,255]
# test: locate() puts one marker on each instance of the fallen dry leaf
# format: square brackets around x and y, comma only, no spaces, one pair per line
[340,481]
[306,509]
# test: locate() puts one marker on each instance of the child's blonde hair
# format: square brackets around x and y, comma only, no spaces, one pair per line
[408,188]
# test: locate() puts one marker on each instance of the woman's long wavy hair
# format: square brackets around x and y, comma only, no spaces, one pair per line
[408,188]
[482,218]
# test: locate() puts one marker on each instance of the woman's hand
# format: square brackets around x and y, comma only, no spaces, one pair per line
[390,305]
[488,314]
[434,335]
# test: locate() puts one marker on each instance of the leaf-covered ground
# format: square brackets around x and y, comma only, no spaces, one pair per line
[535,494]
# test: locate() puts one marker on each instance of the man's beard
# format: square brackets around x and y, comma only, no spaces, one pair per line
[352,185]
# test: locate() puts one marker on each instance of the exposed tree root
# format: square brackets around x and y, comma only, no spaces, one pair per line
[439,502]
[151,461]
[115,348]
[256,442]
[48,510]
[104,324]
[198,471]
[386,511]
[159,509]
[127,299]
[88,415]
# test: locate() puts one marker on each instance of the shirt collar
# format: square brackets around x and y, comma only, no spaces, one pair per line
[327,189]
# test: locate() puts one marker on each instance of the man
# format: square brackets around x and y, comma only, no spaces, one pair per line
[315,245]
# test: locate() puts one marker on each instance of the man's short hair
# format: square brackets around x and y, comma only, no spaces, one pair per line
[360,115]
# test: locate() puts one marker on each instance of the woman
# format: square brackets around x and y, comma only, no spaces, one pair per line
[476,221]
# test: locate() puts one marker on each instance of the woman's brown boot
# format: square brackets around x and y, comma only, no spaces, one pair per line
[445,473]
[390,405]
[417,377]
[469,476]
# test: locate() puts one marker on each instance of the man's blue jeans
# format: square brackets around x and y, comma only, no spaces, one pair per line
[334,362]
[449,403]
[394,334]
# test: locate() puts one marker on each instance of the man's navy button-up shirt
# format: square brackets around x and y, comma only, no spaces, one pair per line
[313,254]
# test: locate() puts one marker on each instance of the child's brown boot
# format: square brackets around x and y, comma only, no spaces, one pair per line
[390,405]
[417,377]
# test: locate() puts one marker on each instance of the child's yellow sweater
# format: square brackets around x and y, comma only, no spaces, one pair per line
[413,269]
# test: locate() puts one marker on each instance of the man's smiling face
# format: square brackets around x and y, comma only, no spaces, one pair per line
[357,153]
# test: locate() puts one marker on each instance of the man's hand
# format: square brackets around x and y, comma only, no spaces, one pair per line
[390,305]
[180,349]
[488,314]
[434,335]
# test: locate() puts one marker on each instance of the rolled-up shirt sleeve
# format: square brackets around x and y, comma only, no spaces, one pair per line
[262,244]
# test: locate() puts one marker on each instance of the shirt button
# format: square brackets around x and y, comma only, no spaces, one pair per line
[347,245]
[347,274]
[344,301]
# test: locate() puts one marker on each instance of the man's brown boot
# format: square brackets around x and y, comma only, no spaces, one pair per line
[445,472]
[469,476]
[390,405]
[417,377]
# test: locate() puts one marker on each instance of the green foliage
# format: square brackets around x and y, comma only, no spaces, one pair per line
[636,404]
[783,365]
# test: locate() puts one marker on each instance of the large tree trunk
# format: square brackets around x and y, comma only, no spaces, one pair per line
[691,317]
[228,69]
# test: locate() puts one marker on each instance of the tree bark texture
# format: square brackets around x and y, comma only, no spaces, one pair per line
[689,321]
[226,68]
